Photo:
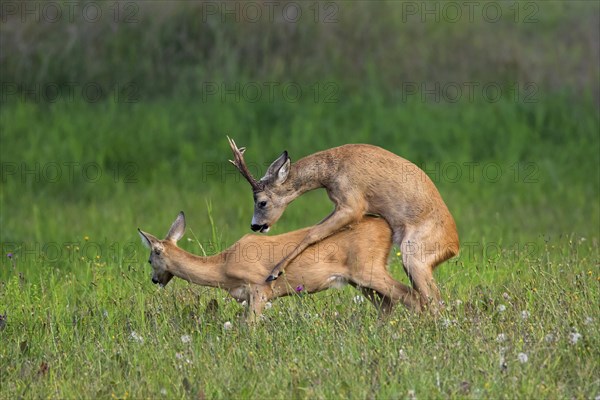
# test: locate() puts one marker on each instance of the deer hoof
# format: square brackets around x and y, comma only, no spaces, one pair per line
[273,277]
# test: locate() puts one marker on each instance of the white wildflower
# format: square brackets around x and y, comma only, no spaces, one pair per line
[588,320]
[574,337]
[501,308]
[505,296]
[502,364]
[458,302]
[163,391]
[402,355]
[523,358]
[411,394]
[244,303]
[525,315]
[549,338]
[268,305]
[227,325]
[446,322]
[186,338]
[501,338]
[136,337]
[358,299]
[179,356]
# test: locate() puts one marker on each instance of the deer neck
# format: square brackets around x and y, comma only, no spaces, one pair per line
[307,174]
[205,271]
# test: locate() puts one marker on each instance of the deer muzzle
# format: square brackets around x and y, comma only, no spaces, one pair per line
[264,228]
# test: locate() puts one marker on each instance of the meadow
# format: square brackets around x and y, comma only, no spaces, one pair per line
[520,175]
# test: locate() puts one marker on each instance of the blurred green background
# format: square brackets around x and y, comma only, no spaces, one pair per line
[114,115]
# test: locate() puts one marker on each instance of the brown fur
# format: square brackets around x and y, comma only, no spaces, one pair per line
[361,179]
[345,257]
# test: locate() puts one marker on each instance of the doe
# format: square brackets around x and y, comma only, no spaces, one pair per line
[356,255]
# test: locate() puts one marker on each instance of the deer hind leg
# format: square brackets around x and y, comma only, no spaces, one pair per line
[420,255]
[382,303]
[388,293]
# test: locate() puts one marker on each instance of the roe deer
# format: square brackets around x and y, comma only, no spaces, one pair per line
[361,179]
[356,255]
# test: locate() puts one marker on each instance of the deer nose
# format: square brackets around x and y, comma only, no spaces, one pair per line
[261,228]
[154,280]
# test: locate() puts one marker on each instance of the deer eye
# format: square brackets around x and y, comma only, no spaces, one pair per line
[262,204]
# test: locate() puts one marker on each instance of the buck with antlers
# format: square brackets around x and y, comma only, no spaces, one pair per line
[361,179]
[346,257]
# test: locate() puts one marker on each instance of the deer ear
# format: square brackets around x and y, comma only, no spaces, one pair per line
[279,170]
[177,229]
[147,239]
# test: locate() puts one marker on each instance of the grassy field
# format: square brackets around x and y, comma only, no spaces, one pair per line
[83,317]
[519,172]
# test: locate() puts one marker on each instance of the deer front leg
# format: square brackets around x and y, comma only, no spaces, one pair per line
[259,295]
[336,221]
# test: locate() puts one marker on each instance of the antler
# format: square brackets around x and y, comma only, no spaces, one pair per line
[240,164]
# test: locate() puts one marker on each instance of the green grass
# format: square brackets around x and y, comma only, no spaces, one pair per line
[77,291]
[85,326]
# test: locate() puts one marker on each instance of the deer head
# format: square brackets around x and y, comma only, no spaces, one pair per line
[160,249]
[270,194]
